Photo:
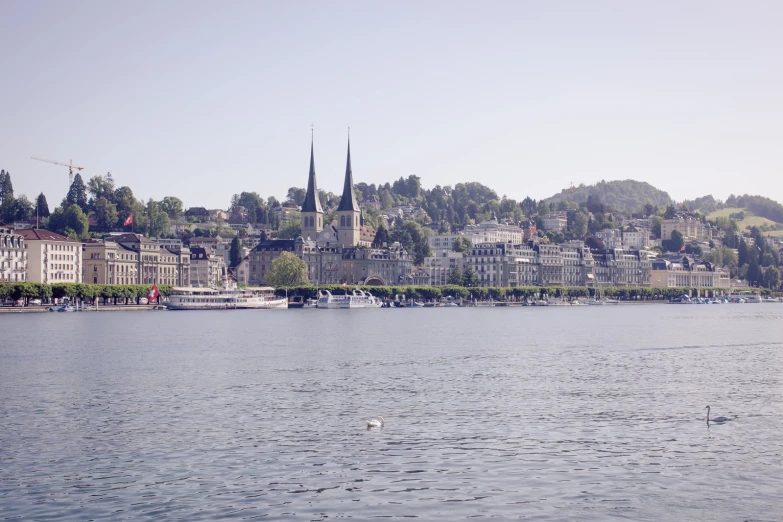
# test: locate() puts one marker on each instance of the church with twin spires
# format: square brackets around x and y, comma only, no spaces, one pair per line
[339,251]
[348,228]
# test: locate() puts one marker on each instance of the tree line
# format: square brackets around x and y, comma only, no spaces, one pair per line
[110,294]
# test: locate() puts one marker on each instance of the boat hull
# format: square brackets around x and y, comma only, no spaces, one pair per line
[246,305]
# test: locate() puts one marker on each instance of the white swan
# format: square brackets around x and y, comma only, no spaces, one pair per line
[377,422]
[716,419]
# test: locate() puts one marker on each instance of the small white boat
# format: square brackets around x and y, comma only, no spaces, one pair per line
[356,299]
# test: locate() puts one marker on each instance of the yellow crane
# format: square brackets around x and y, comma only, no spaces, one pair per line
[70,166]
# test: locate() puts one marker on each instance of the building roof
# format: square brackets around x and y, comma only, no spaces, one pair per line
[348,201]
[276,243]
[312,203]
[37,234]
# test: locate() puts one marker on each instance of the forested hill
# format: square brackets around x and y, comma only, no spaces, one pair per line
[626,196]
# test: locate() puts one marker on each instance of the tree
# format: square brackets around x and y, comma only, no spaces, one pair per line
[414,238]
[23,210]
[742,250]
[670,212]
[126,204]
[381,237]
[77,194]
[70,220]
[6,197]
[296,195]
[158,222]
[754,274]
[579,226]
[291,231]
[455,277]
[676,243]
[100,187]
[172,206]
[287,271]
[234,252]
[462,244]
[42,206]
[105,214]
[772,278]
[469,277]
[595,243]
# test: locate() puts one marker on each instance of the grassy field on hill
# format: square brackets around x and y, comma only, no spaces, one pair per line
[749,221]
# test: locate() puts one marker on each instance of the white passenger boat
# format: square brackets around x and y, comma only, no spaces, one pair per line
[227,298]
[356,299]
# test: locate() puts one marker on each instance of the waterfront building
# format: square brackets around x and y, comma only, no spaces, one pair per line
[131,259]
[377,266]
[13,256]
[266,252]
[206,268]
[622,268]
[52,258]
[689,225]
[441,264]
[685,272]
[109,263]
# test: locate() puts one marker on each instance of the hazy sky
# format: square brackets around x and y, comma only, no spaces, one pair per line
[202,100]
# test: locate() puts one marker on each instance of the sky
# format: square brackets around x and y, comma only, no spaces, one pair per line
[202,100]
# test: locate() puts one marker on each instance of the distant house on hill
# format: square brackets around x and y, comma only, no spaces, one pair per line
[198,212]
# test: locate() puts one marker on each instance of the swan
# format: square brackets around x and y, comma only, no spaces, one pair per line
[377,422]
[716,419]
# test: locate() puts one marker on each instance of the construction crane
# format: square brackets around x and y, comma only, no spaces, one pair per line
[70,166]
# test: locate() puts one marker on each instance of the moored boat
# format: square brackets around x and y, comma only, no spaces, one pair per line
[227,298]
[356,299]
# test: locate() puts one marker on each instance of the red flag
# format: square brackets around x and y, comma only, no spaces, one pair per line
[128,221]
[154,294]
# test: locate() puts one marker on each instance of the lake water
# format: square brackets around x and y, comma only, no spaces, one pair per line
[557,413]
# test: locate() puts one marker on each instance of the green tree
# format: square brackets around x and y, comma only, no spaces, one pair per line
[23,210]
[414,238]
[77,194]
[671,211]
[772,278]
[291,231]
[381,237]
[296,195]
[172,206]
[158,222]
[234,252]
[462,244]
[754,274]
[455,277]
[6,197]
[287,271]
[70,220]
[105,214]
[742,251]
[100,187]
[470,278]
[126,205]
[676,243]
[579,226]
[43,206]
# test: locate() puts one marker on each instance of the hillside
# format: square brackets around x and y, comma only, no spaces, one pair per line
[626,196]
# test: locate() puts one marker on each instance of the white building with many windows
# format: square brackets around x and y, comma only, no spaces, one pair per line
[13,256]
[52,258]
[442,264]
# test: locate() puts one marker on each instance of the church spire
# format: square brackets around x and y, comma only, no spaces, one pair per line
[312,202]
[348,201]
